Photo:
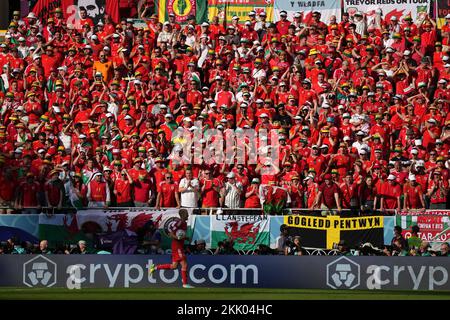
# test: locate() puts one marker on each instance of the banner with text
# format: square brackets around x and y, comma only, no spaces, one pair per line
[326,8]
[218,271]
[399,8]
[226,9]
[443,9]
[246,232]
[419,212]
[432,228]
[324,232]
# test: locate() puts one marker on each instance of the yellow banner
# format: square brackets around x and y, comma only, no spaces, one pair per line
[334,224]
[238,8]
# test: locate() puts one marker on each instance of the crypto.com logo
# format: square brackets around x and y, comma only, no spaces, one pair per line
[343,273]
[213,146]
[39,271]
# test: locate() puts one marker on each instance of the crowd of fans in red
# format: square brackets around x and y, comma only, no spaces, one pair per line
[361,111]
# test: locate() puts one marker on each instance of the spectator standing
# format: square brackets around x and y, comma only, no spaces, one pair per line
[189,190]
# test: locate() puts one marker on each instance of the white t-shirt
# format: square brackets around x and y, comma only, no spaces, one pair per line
[189,198]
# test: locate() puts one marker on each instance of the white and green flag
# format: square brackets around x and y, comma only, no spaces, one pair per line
[246,231]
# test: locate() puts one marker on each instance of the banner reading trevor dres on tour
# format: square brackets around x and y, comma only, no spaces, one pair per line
[227,9]
[319,232]
[327,8]
[399,8]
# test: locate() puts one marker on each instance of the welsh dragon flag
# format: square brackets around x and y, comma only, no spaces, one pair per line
[69,228]
[275,200]
[182,9]
[247,232]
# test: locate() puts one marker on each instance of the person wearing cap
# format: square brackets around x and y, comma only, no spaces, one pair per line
[200,248]
[252,195]
[328,198]
[54,190]
[283,24]
[231,192]
[316,161]
[412,194]
[390,194]
[296,191]
[432,129]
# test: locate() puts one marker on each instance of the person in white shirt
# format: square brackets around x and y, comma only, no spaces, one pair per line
[231,192]
[189,190]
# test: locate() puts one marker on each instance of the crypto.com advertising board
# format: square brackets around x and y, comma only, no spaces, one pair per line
[319,272]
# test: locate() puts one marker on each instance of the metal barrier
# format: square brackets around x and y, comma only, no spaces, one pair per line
[200,211]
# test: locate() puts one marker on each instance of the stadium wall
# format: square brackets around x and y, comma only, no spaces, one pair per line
[308,272]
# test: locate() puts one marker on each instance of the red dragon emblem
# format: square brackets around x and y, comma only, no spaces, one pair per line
[136,223]
[247,233]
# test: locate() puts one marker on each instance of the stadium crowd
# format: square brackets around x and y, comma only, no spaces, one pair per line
[91,115]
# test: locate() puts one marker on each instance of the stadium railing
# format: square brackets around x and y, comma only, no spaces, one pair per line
[205,211]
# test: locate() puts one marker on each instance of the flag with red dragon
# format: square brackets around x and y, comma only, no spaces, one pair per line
[246,232]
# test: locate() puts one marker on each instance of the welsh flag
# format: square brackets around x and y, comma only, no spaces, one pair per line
[276,199]
[182,9]
[247,232]
[69,228]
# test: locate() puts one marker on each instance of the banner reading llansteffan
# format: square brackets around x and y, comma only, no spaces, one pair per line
[327,8]
[247,232]
[399,8]
[240,8]
[323,232]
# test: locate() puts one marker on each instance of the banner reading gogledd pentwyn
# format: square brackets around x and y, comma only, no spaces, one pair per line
[324,232]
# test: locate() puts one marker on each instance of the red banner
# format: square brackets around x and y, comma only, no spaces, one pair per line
[96,9]
[430,228]
[424,212]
